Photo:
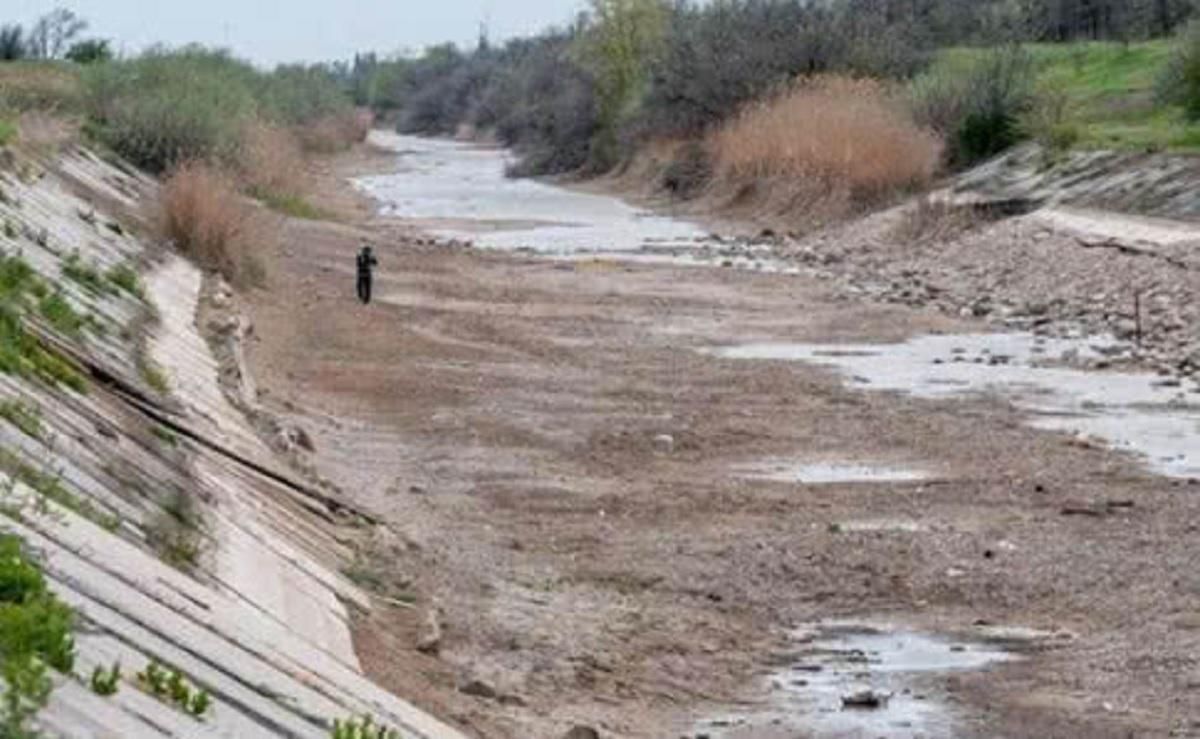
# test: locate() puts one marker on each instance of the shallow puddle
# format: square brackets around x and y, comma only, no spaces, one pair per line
[837,668]
[828,473]
[1131,411]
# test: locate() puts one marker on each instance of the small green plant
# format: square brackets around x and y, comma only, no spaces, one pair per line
[153,679]
[10,229]
[361,728]
[8,132]
[106,682]
[201,702]
[35,633]
[175,533]
[26,417]
[86,275]
[58,312]
[181,693]
[155,378]
[165,435]
[50,487]
[174,688]
[292,205]
[125,278]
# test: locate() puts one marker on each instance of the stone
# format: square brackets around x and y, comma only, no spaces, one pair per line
[664,444]
[866,699]
[478,689]
[430,640]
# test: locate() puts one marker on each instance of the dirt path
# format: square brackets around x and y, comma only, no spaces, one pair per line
[509,418]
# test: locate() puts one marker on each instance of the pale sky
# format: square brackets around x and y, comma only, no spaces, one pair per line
[268,32]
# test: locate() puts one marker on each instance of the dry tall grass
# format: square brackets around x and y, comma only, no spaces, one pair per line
[337,132]
[271,162]
[201,212]
[829,144]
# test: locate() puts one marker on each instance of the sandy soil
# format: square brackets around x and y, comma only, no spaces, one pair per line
[501,414]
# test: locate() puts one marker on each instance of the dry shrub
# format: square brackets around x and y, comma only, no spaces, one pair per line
[271,161]
[336,132]
[832,142]
[935,220]
[202,214]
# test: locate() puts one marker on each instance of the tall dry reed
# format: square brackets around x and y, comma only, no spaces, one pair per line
[824,135]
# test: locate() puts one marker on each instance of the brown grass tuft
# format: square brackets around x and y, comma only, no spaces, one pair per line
[831,142]
[271,162]
[201,213]
[337,132]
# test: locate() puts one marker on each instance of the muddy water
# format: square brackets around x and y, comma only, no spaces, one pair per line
[1138,412]
[459,191]
[895,670]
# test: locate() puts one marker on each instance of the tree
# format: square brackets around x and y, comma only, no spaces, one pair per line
[623,37]
[90,51]
[12,43]
[53,33]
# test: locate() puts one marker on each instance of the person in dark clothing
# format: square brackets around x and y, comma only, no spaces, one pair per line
[366,268]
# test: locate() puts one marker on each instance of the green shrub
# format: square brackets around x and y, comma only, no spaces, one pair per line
[976,102]
[167,107]
[1179,82]
[35,632]
[8,132]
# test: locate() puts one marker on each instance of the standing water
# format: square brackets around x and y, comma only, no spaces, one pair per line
[460,191]
[1138,412]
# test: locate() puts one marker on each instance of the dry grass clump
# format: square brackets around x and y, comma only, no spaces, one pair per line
[46,86]
[271,161]
[844,142]
[335,132]
[201,212]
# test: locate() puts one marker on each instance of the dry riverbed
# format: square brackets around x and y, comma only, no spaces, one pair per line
[595,514]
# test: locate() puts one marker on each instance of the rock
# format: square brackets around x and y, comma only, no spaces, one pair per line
[430,640]
[866,699]
[582,732]
[664,444]
[478,689]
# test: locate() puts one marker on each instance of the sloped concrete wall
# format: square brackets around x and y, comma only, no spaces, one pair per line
[261,621]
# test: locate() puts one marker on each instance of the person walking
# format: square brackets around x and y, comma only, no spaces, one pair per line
[366,272]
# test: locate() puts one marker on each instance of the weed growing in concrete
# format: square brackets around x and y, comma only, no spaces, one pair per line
[174,688]
[166,436]
[106,682]
[175,533]
[26,417]
[36,632]
[59,313]
[124,277]
[49,486]
[153,375]
[86,275]
[361,728]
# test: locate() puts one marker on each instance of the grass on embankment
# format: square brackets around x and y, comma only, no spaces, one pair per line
[1109,90]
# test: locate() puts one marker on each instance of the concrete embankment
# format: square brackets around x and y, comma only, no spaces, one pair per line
[157,512]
